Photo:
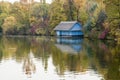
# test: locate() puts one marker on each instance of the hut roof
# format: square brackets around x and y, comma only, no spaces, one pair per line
[65,25]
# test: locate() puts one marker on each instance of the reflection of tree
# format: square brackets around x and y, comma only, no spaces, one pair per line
[106,58]
[97,55]
[29,67]
[1,48]
[15,47]
[69,62]
[42,49]
[113,72]
[23,48]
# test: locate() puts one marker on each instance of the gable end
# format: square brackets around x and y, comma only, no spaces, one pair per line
[76,27]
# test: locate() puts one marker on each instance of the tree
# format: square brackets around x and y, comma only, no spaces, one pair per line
[80,6]
[113,12]
[9,23]
[70,10]
[22,14]
[57,14]
[41,17]
[5,9]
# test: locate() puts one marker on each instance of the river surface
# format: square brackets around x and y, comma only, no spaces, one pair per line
[50,58]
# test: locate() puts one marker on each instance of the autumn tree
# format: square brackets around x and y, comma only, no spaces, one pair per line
[8,24]
[80,8]
[113,13]
[5,9]
[57,13]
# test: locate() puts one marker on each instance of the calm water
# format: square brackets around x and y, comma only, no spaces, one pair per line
[46,58]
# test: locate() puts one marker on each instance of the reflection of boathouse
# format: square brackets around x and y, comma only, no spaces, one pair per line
[69,45]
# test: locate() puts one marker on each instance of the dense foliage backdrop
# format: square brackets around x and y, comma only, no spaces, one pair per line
[100,18]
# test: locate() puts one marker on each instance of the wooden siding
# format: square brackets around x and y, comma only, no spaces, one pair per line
[75,33]
[69,33]
[69,29]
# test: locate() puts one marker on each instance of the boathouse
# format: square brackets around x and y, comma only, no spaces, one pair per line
[69,28]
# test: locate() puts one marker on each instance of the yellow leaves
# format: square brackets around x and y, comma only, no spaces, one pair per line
[9,22]
[40,31]
[80,3]
[117,34]
[3,15]
[118,40]
[32,19]
[106,25]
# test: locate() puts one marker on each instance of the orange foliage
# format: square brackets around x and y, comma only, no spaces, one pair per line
[80,3]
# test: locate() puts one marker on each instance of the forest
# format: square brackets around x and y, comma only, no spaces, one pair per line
[99,18]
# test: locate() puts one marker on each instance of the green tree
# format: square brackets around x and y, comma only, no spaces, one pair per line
[5,9]
[22,14]
[57,14]
[9,23]
[113,12]
[40,17]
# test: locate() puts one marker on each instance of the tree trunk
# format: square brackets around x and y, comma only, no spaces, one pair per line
[70,2]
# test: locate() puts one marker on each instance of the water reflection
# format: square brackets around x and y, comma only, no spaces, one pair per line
[69,45]
[47,58]
[28,66]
